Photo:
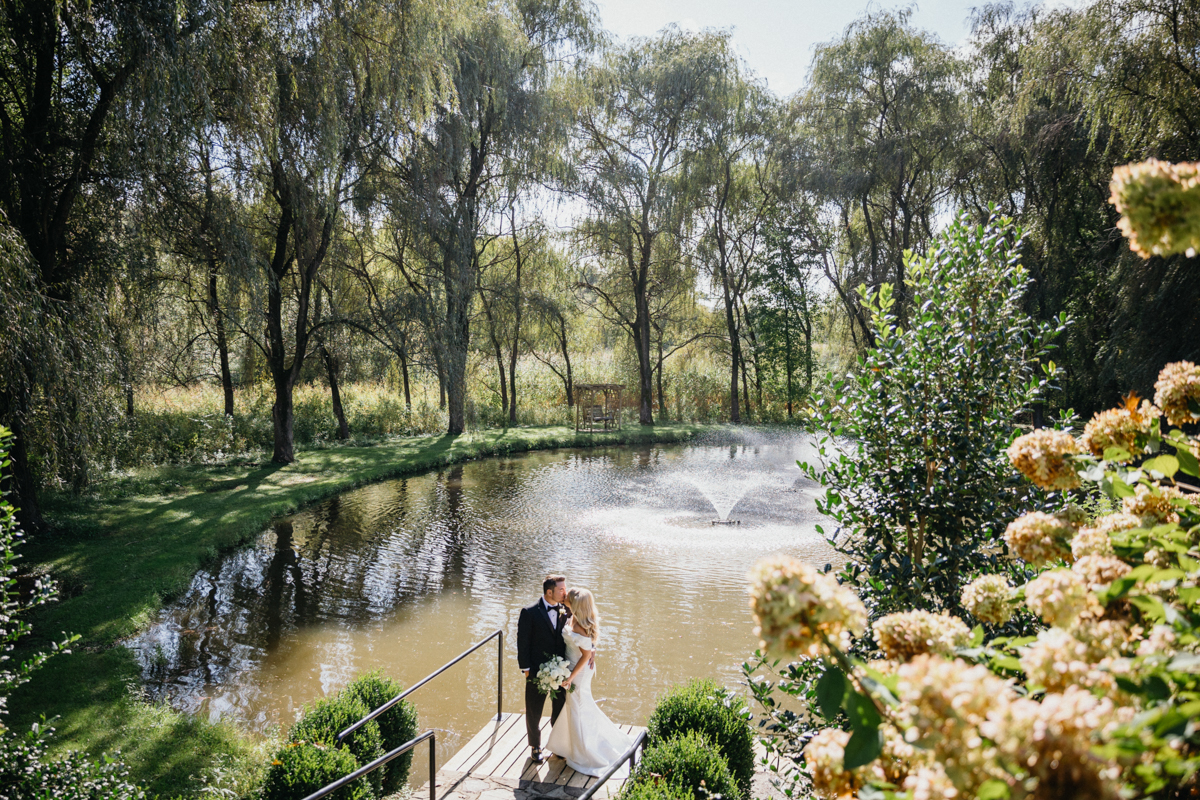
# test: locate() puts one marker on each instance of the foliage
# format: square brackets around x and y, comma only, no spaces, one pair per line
[914,463]
[301,768]
[688,762]
[704,707]
[26,769]
[27,772]
[655,789]
[1100,703]
[396,726]
[320,723]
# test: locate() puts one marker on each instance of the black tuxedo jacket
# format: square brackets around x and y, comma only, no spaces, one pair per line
[537,640]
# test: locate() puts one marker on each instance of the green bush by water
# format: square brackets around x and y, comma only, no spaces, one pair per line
[396,726]
[688,762]
[704,707]
[324,719]
[655,789]
[301,768]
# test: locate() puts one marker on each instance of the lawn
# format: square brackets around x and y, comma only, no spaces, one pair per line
[134,543]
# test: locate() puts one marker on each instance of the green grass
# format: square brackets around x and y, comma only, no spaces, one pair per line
[134,543]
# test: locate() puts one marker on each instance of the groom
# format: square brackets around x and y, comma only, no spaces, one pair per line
[539,638]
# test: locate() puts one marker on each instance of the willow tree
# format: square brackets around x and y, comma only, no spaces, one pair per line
[734,181]
[67,70]
[320,94]
[882,120]
[503,131]
[638,133]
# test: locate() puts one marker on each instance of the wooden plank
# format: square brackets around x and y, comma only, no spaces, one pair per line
[514,766]
[514,737]
[487,733]
[494,743]
[471,762]
[578,780]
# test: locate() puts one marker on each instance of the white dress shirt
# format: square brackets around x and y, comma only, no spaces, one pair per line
[553,612]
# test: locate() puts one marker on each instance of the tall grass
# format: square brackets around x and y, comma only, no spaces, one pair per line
[186,425]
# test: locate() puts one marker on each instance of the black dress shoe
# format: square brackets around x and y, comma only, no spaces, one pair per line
[537,757]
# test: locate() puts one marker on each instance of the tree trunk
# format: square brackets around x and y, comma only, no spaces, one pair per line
[568,381]
[214,308]
[641,341]
[516,338]
[404,376]
[746,390]
[331,369]
[441,376]
[22,485]
[662,397]
[283,421]
[500,370]
[787,358]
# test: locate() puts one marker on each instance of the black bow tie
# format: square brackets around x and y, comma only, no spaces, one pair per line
[558,607]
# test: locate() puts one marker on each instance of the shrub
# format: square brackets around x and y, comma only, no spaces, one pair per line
[704,707]
[396,726]
[301,768]
[322,722]
[914,464]
[655,789]
[688,762]
[26,770]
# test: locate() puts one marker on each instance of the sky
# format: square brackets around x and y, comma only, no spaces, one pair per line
[777,37]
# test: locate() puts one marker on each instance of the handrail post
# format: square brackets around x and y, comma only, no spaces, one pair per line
[500,677]
[433,767]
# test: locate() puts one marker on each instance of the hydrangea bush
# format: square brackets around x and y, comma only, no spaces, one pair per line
[1104,700]
[1102,703]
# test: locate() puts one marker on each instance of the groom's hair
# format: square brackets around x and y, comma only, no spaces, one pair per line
[551,581]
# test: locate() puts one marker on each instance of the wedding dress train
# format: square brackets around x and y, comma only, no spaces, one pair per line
[583,735]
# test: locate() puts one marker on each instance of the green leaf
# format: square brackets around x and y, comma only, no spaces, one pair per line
[1117,454]
[977,636]
[992,790]
[1187,462]
[1166,575]
[831,690]
[1152,607]
[864,746]
[1167,465]
[1006,662]
[862,712]
[1122,489]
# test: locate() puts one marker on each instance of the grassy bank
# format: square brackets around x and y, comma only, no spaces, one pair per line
[134,543]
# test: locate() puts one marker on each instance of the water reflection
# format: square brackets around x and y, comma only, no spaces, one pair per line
[403,575]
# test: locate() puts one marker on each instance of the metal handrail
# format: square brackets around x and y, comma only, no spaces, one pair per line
[499,683]
[383,759]
[639,743]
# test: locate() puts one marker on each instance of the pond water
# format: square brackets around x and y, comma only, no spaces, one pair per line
[405,574]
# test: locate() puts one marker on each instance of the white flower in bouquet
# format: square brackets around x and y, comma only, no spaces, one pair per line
[551,675]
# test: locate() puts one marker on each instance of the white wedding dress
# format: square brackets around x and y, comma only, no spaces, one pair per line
[583,735]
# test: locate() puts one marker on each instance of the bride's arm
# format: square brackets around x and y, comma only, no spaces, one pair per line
[584,657]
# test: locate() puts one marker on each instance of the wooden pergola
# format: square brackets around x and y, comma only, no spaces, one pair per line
[597,407]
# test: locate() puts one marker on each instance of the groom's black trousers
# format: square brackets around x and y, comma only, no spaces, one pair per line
[535,702]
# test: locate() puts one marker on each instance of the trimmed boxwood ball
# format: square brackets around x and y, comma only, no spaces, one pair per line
[704,706]
[301,768]
[397,725]
[691,763]
[655,789]
[323,720]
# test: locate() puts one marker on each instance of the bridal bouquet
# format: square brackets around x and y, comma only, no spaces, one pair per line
[551,675]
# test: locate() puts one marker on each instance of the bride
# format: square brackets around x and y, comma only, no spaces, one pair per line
[583,735]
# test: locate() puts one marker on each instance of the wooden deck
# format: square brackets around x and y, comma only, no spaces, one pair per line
[497,761]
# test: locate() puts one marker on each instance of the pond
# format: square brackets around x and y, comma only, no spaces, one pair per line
[404,575]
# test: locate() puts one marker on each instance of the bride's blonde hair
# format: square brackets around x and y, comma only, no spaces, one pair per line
[583,609]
